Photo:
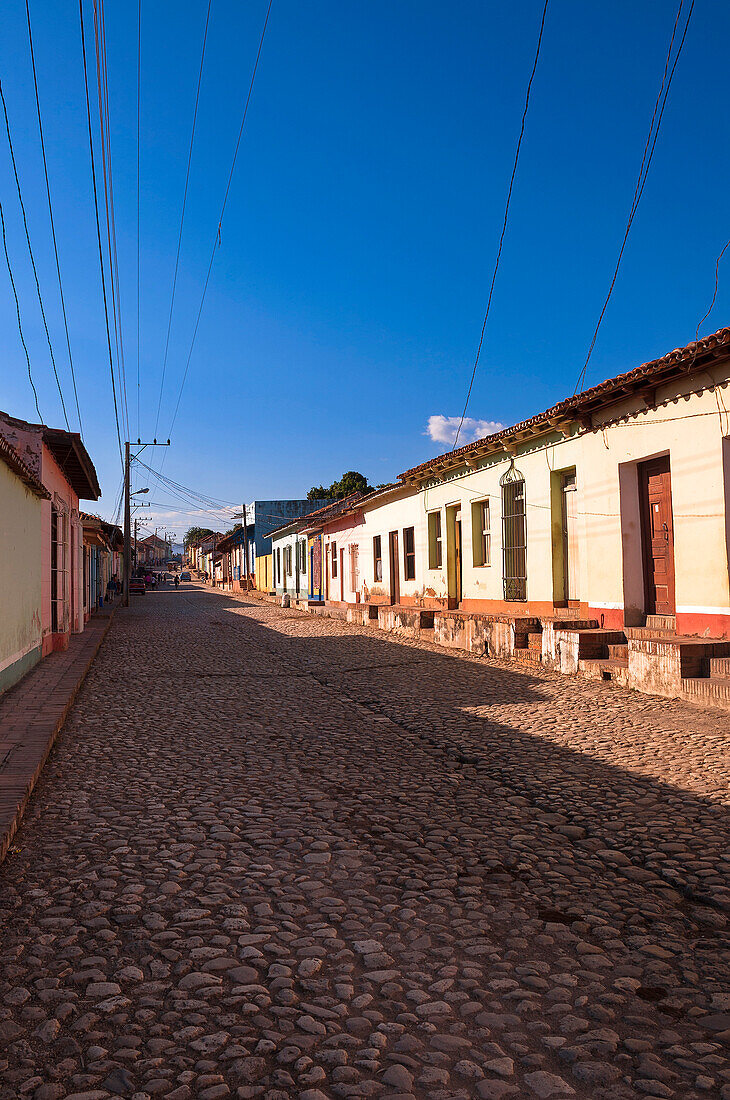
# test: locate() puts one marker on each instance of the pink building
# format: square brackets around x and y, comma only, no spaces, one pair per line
[61,463]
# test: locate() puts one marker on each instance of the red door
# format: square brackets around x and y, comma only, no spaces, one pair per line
[658,533]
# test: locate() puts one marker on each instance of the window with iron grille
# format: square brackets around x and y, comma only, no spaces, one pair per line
[481,537]
[409,553]
[514,535]
[59,569]
[303,555]
[334,559]
[377,559]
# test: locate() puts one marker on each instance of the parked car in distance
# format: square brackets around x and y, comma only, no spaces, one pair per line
[185,576]
[137,586]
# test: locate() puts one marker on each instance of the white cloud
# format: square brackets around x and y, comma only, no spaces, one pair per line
[443,429]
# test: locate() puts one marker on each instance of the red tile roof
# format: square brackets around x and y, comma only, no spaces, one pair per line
[682,360]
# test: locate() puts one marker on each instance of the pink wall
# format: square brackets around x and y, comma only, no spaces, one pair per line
[55,482]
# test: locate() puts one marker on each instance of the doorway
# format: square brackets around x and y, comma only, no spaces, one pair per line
[454,557]
[569,507]
[657,529]
[394,568]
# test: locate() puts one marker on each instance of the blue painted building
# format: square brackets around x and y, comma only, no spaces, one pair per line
[262,517]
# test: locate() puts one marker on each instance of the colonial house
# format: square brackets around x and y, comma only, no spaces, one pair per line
[60,462]
[103,559]
[263,517]
[151,551]
[593,537]
[203,553]
[22,497]
[298,555]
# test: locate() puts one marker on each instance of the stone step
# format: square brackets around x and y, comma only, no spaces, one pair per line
[619,652]
[661,622]
[720,668]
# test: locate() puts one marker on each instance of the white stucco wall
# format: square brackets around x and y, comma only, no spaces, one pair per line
[687,421]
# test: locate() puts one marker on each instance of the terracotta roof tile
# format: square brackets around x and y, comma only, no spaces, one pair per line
[601,394]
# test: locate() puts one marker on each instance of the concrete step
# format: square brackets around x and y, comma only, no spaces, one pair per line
[606,668]
[527,655]
[661,622]
[720,668]
[594,643]
[619,652]
[649,633]
[713,693]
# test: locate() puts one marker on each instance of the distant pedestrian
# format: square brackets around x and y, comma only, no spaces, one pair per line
[177,581]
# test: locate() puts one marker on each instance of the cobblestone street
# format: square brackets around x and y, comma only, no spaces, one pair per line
[277,855]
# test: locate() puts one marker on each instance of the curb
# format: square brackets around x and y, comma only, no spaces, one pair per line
[29,732]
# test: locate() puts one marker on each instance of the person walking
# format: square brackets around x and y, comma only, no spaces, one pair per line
[177,581]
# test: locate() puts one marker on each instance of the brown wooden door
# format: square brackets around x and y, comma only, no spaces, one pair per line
[394,568]
[658,534]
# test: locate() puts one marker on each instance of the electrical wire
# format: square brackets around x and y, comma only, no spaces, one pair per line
[50,212]
[714,296]
[504,223]
[139,91]
[107,173]
[98,230]
[216,241]
[30,252]
[649,147]
[182,216]
[17,312]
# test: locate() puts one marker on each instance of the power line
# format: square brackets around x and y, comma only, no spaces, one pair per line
[182,215]
[17,311]
[98,230]
[649,147]
[714,296]
[139,90]
[30,252]
[50,212]
[216,240]
[504,223]
[106,163]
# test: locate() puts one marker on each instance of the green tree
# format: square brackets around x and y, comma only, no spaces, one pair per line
[193,534]
[351,482]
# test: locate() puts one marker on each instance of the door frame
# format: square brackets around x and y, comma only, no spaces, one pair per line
[570,598]
[394,565]
[454,551]
[645,470]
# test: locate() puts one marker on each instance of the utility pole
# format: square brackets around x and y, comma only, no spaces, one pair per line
[128,510]
[127,526]
[245,547]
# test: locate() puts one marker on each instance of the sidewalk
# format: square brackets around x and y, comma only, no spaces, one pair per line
[32,714]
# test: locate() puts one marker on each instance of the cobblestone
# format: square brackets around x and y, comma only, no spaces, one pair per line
[276,855]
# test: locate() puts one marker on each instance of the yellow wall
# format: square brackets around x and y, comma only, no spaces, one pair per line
[264,573]
[20,578]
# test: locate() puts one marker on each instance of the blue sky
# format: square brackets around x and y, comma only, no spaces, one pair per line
[356,252]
